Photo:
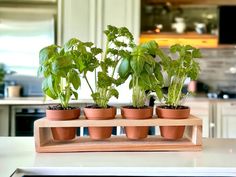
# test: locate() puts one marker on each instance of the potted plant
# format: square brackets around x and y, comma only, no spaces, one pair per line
[2,76]
[61,80]
[2,72]
[145,76]
[118,43]
[178,69]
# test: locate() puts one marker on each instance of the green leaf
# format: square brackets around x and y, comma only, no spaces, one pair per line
[74,79]
[158,73]
[109,62]
[47,53]
[48,89]
[145,80]
[137,64]
[112,51]
[71,43]
[40,71]
[114,92]
[175,48]
[148,68]
[149,59]
[50,84]
[124,68]
[50,94]
[151,47]
[120,81]
[159,93]
[96,51]
[75,95]
[62,62]
[95,96]
[88,44]
[44,85]
[189,47]
[61,66]
[80,65]
[197,53]
[104,80]
[194,71]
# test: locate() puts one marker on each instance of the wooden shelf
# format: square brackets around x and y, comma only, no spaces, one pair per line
[192,140]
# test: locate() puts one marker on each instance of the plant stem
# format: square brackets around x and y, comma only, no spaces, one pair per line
[180,90]
[106,47]
[86,79]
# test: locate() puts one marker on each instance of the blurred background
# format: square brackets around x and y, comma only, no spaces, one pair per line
[28,25]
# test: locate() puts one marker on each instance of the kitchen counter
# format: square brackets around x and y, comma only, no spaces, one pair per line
[218,158]
[36,101]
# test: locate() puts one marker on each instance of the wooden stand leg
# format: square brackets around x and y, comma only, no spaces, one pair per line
[42,136]
[194,134]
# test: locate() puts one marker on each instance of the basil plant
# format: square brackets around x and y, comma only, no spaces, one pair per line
[62,78]
[145,72]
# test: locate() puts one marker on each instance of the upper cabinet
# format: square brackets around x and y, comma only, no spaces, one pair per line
[198,23]
[88,19]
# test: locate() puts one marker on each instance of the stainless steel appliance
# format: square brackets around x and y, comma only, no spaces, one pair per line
[26,27]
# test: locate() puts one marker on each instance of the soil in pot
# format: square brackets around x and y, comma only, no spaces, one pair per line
[60,114]
[167,112]
[97,113]
[130,112]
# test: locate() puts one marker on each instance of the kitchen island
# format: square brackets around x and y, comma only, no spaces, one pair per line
[18,156]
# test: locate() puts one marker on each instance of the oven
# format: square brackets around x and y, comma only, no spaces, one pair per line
[24,120]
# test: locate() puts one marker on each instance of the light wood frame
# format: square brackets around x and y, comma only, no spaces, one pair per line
[192,140]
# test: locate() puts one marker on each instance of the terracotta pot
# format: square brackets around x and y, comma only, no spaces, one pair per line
[172,132]
[100,133]
[63,133]
[136,132]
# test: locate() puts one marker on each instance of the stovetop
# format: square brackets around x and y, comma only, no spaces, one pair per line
[222,95]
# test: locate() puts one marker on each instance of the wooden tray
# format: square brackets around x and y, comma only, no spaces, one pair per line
[192,140]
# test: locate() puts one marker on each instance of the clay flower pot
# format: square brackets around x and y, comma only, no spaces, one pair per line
[136,132]
[172,132]
[92,113]
[63,133]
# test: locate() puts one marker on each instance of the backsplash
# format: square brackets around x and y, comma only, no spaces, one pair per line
[218,69]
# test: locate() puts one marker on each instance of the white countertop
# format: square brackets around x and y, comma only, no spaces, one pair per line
[36,101]
[41,101]
[218,158]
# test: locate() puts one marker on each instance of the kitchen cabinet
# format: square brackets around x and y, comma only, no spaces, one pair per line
[201,109]
[88,19]
[226,119]
[4,120]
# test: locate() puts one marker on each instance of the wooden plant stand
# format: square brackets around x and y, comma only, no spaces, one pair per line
[192,140]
